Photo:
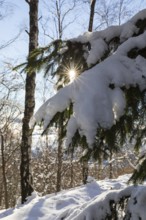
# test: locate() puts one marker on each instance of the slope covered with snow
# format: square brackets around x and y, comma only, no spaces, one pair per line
[56,206]
[88,202]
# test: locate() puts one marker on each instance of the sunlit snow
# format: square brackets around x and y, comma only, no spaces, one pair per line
[88,202]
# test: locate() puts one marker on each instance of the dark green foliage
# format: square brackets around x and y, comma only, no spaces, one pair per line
[130,127]
[135,52]
[57,59]
[118,209]
[139,175]
[140,24]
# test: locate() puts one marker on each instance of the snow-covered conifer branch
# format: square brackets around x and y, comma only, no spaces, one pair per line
[97,104]
[104,43]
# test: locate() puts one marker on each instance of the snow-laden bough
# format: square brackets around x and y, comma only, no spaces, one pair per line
[95,103]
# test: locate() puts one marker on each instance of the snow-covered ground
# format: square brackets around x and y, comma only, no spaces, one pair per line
[56,206]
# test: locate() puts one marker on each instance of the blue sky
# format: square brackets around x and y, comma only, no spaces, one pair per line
[11,26]
[18,20]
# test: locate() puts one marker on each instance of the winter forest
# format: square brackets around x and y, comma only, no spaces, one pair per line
[72,107]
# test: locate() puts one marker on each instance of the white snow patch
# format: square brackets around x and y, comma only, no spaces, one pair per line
[66,203]
[99,39]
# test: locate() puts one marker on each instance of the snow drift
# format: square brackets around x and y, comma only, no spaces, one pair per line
[95,200]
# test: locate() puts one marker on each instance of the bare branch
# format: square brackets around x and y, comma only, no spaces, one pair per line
[27,32]
[44,31]
[28,1]
[67,12]
[40,18]
[10,41]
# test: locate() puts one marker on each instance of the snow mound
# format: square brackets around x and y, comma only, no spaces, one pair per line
[62,205]
[96,200]
[100,208]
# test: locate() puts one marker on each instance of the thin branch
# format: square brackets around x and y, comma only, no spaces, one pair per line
[44,31]
[67,12]
[40,18]
[28,1]
[10,41]
[27,32]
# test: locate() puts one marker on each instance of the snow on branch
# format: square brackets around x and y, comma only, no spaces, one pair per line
[106,41]
[97,95]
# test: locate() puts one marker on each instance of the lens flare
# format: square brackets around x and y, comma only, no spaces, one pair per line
[72,75]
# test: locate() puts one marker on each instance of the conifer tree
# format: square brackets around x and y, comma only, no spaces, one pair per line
[54,58]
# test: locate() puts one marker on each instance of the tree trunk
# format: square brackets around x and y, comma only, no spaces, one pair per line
[100,166]
[59,167]
[4,173]
[59,20]
[85,170]
[92,11]
[71,169]
[26,178]
[111,166]
[59,154]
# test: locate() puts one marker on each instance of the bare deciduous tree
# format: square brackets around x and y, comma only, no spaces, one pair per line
[10,113]
[59,18]
[109,13]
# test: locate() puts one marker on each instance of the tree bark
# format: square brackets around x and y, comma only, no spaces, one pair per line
[71,169]
[4,173]
[92,11]
[111,165]
[26,177]
[59,20]
[59,154]
[85,170]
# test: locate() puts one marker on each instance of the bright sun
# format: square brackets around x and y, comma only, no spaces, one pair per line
[72,74]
